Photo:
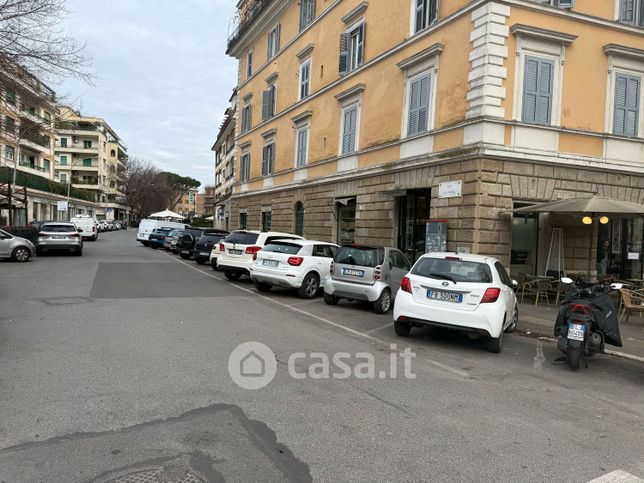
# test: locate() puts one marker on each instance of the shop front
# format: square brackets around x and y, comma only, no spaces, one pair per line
[619,249]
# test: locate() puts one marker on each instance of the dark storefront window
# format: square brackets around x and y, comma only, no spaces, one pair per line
[525,234]
[299,219]
[413,215]
[619,249]
[346,221]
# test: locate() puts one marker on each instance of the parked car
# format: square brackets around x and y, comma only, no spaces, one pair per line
[15,248]
[471,293]
[117,225]
[102,225]
[366,274]
[171,237]
[148,226]
[158,236]
[300,264]
[238,248]
[86,226]
[204,245]
[188,240]
[214,254]
[59,235]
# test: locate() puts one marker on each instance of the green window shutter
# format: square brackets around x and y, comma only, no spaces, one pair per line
[537,90]
[63,160]
[302,142]
[87,162]
[349,130]
[265,101]
[627,96]
[344,54]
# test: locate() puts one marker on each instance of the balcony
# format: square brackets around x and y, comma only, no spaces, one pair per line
[85,181]
[77,148]
[248,12]
[27,164]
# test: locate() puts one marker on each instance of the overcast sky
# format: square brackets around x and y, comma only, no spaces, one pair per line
[163,78]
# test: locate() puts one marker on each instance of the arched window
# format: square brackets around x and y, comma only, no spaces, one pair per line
[113,153]
[299,218]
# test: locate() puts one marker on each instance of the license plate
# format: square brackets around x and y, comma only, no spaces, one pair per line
[234,252]
[353,273]
[270,263]
[204,254]
[576,331]
[456,298]
[59,237]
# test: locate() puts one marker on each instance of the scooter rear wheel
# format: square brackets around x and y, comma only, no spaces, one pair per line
[573,357]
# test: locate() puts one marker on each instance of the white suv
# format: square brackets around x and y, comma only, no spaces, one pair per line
[300,264]
[237,250]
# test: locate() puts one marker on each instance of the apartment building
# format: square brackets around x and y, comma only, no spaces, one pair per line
[191,204]
[28,189]
[361,121]
[225,151]
[92,157]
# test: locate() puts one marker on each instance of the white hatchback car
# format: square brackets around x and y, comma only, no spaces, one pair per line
[470,293]
[237,249]
[299,264]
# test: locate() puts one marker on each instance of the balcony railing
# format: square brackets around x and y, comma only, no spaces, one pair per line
[27,164]
[247,14]
[86,181]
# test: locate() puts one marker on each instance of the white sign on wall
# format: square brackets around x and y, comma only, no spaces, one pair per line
[450,189]
[62,206]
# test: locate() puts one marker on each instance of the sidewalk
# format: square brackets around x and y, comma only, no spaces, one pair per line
[539,321]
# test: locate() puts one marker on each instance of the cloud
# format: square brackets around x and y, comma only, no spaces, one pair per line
[163,78]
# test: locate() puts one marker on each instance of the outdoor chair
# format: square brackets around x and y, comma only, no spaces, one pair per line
[538,288]
[632,302]
[559,290]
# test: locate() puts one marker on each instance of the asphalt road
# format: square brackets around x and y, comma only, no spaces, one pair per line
[116,364]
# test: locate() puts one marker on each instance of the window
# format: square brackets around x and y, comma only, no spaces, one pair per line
[627,104]
[632,11]
[503,274]
[346,221]
[45,164]
[243,221]
[63,142]
[9,153]
[268,159]
[418,99]
[87,144]
[63,160]
[268,103]
[113,153]
[307,12]
[299,219]
[352,49]
[246,121]
[10,96]
[349,129]
[249,64]
[244,169]
[537,90]
[63,177]
[267,220]
[305,78]
[426,13]
[273,42]
[557,3]
[87,162]
[302,146]
[10,124]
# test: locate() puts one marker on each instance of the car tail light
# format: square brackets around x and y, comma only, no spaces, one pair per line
[405,286]
[222,248]
[93,229]
[491,295]
[75,235]
[377,274]
[252,250]
[295,261]
[455,259]
[331,268]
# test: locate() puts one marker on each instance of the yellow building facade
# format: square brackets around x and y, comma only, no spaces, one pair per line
[360,121]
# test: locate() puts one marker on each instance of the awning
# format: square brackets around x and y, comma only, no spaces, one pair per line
[594,205]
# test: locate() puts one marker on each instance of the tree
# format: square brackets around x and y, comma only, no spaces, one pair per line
[179,186]
[146,189]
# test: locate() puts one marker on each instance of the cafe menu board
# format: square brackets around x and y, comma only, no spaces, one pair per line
[436,236]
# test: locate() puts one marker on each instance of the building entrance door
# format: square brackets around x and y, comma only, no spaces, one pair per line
[525,237]
[412,216]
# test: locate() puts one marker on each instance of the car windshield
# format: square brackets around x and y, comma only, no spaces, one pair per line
[361,256]
[212,237]
[286,248]
[455,270]
[59,228]
[242,238]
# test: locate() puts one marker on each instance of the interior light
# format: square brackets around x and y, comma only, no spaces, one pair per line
[603,220]
[587,220]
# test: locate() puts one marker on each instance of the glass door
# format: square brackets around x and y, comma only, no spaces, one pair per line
[412,216]
[525,236]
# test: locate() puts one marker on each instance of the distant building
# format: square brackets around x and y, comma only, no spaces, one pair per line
[191,204]
[225,149]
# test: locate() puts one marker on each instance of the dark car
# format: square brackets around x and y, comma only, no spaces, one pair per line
[188,241]
[205,244]
[157,237]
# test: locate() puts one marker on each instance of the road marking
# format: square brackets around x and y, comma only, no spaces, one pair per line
[378,329]
[619,476]
[364,335]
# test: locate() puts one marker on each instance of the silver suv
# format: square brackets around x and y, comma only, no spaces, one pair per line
[366,274]
[16,248]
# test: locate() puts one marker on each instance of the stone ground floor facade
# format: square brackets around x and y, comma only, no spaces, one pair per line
[390,207]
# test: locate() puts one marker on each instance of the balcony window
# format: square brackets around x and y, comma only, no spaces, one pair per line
[87,162]
[249,64]
[627,104]
[426,13]
[632,12]
[10,124]
[63,142]
[305,78]
[244,168]
[63,161]
[307,12]
[268,159]
[273,42]
[352,48]
[9,153]
[246,121]
[268,103]
[87,144]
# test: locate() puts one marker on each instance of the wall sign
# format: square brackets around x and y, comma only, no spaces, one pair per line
[450,189]
[62,206]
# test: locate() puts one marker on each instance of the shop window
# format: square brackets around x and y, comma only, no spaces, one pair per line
[412,219]
[299,218]
[267,220]
[346,221]
[524,249]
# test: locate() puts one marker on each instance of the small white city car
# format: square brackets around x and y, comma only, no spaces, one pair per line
[237,249]
[470,293]
[300,264]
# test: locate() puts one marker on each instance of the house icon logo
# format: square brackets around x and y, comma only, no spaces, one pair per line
[252,365]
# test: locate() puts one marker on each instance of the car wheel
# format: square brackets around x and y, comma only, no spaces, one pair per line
[383,304]
[213,264]
[184,256]
[515,320]
[78,253]
[402,328]
[263,287]
[20,254]
[330,299]
[310,286]
[495,344]
[232,275]
[200,261]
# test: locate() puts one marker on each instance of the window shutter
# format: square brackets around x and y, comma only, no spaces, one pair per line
[414,105]
[271,158]
[361,43]
[277,38]
[537,90]
[302,140]
[420,15]
[423,111]
[544,98]
[565,3]
[271,101]
[269,49]
[344,53]
[626,113]
[433,11]
[264,160]
[627,10]
[641,14]
[265,101]
[303,14]
[350,125]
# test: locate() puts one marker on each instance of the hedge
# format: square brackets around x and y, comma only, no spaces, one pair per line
[35,182]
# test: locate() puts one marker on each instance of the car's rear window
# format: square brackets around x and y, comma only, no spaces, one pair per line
[361,256]
[285,248]
[59,228]
[453,270]
[242,238]
[213,237]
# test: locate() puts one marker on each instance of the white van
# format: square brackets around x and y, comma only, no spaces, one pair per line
[148,226]
[88,225]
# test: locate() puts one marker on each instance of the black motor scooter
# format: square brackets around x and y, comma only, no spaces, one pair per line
[587,321]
